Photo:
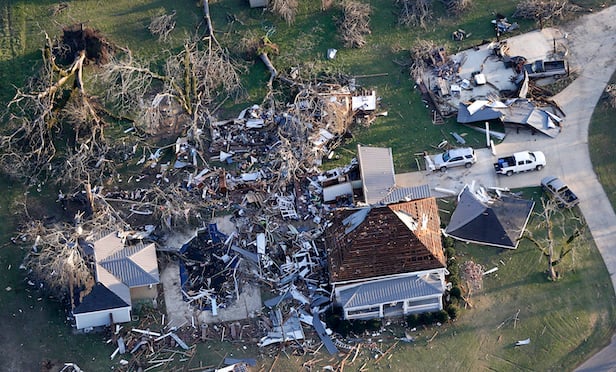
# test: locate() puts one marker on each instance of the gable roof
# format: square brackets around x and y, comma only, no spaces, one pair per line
[499,222]
[376,167]
[120,268]
[390,290]
[99,298]
[379,241]
[130,263]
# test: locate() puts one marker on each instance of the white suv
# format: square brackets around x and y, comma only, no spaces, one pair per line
[454,158]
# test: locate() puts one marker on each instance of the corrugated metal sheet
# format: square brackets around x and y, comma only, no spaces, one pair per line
[376,166]
[128,272]
[388,291]
[132,265]
[399,194]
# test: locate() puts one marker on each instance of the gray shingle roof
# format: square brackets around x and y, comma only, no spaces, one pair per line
[99,298]
[390,290]
[499,223]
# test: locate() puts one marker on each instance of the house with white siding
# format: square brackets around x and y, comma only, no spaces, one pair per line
[124,274]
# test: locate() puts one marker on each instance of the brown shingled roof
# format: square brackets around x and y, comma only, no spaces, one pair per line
[379,241]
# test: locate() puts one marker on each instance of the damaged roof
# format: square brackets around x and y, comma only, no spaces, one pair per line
[100,298]
[499,222]
[545,119]
[379,241]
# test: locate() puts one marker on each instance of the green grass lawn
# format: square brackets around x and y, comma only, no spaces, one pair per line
[602,141]
[565,320]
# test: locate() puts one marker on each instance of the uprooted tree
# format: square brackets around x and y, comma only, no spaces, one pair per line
[57,259]
[564,233]
[56,133]
[53,121]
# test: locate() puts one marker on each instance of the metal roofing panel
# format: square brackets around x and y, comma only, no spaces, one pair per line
[376,166]
[390,290]
[407,194]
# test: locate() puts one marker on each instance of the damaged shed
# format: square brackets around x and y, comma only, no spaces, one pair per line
[387,261]
[499,222]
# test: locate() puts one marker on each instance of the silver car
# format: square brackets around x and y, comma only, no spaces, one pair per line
[454,158]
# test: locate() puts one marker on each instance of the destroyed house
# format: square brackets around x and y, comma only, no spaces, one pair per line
[388,260]
[124,274]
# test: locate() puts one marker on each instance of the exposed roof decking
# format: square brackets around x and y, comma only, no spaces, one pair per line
[383,244]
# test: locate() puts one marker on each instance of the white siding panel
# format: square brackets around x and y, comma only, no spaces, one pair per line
[102,318]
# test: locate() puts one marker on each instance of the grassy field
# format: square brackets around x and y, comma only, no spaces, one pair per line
[565,320]
[602,141]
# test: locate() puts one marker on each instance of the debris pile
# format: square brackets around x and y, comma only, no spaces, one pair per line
[472,274]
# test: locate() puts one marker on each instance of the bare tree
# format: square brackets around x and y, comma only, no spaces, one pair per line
[354,24]
[162,25]
[563,235]
[414,12]
[285,9]
[543,11]
[421,57]
[457,7]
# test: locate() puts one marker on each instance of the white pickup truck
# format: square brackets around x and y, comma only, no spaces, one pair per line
[520,162]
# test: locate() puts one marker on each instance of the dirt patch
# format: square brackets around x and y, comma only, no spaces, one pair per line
[77,38]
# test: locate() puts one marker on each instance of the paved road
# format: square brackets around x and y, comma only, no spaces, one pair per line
[592,43]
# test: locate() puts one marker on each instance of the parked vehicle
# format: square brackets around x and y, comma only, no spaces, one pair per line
[454,158]
[559,191]
[520,162]
[541,69]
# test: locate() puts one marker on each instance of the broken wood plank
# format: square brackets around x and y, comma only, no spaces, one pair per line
[146,332]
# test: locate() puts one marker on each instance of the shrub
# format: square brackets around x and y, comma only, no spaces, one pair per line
[335,321]
[426,318]
[361,326]
[412,320]
[456,293]
[441,316]
[448,242]
[452,311]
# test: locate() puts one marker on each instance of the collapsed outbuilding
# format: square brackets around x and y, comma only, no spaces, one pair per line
[495,221]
